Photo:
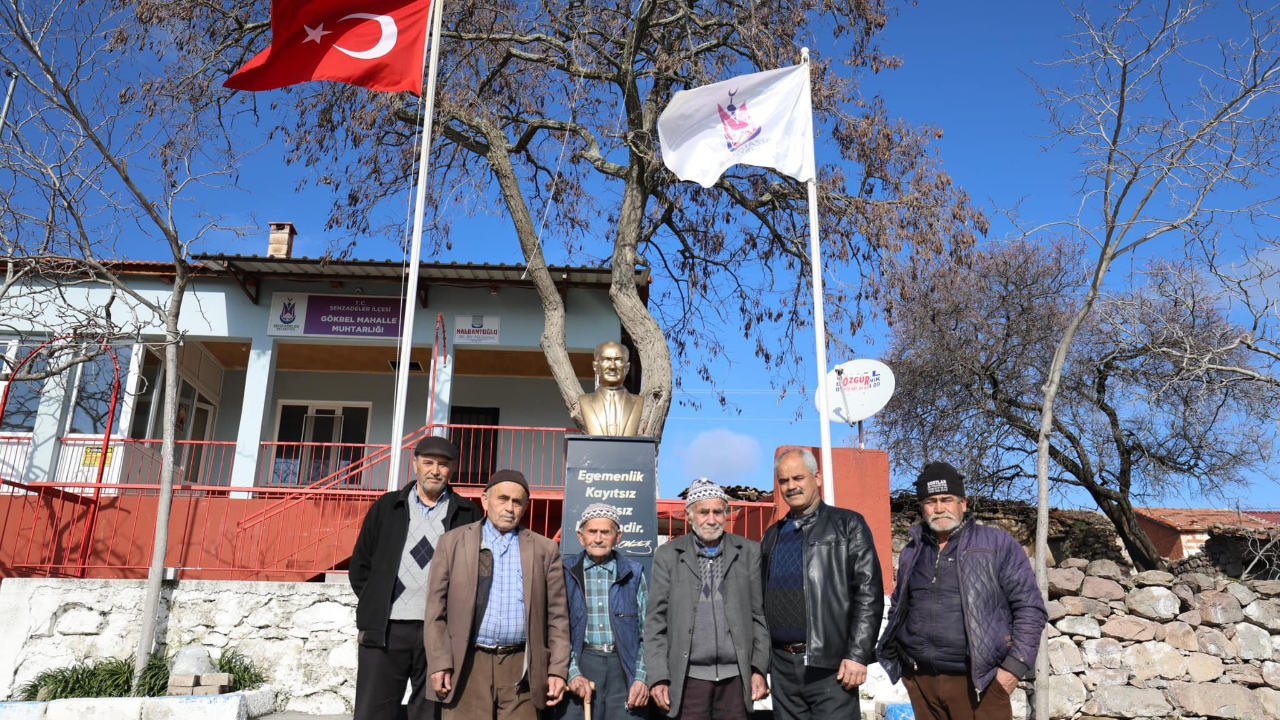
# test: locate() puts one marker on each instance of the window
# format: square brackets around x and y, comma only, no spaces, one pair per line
[24,396]
[150,397]
[316,440]
[96,395]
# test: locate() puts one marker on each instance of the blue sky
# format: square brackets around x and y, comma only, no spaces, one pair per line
[964,72]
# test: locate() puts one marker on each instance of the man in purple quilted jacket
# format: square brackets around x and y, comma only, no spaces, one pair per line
[966,615]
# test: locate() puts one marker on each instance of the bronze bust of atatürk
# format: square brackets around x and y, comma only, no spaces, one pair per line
[611,409]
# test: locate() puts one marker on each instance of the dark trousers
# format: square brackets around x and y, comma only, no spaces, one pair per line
[712,700]
[382,673]
[952,697]
[610,698]
[801,692]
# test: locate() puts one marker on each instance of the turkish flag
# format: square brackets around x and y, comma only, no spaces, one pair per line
[376,44]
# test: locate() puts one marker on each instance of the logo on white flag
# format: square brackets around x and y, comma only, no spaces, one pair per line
[736,121]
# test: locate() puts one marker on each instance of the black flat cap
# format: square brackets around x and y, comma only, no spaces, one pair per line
[432,445]
[514,476]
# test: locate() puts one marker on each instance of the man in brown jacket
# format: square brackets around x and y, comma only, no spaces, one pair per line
[497,625]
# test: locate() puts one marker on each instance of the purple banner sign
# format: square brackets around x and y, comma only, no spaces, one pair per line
[353,316]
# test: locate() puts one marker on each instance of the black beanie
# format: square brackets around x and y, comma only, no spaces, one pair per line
[939,478]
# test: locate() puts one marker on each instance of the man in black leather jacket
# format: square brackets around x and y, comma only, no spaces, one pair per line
[823,598]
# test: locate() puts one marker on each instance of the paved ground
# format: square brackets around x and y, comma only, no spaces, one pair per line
[303,716]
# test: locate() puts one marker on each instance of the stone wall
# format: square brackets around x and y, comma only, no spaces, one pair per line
[301,634]
[1158,645]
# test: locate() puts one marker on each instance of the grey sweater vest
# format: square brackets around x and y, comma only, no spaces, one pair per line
[409,595]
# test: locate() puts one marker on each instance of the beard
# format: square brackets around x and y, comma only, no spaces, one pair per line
[943,522]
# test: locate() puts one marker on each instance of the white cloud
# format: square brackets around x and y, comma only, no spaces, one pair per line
[727,457]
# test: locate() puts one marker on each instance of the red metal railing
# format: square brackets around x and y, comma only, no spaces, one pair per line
[312,528]
[748,519]
[198,464]
[14,450]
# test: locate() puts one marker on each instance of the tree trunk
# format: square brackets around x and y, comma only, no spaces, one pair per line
[1120,512]
[168,457]
[552,342]
[646,333]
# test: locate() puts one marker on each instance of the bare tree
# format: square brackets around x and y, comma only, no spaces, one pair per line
[550,108]
[107,140]
[1173,119]
[1136,420]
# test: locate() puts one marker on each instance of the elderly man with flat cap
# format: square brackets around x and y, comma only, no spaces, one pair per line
[390,566]
[607,601]
[497,627]
[966,616]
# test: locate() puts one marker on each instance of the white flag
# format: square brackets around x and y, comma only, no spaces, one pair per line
[763,119]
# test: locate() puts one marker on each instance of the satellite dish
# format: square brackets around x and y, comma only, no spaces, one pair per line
[858,389]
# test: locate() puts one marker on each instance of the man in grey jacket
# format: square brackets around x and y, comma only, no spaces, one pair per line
[705,640]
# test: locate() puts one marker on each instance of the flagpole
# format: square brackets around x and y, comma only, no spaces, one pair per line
[415,255]
[819,322]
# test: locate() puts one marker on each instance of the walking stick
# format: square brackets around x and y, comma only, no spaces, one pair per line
[586,704]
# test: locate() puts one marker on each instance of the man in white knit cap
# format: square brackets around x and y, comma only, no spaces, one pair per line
[705,640]
[607,597]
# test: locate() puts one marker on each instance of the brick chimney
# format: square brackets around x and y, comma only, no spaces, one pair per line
[280,241]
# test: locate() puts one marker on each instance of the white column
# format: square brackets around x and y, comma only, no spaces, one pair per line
[255,411]
[442,393]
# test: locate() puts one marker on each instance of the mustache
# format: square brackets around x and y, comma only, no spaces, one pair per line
[793,493]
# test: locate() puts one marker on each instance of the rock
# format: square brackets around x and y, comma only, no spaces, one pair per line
[1083,626]
[1267,588]
[324,616]
[1064,581]
[1018,704]
[1265,613]
[1153,577]
[1056,610]
[1270,700]
[1106,569]
[1064,656]
[1215,643]
[1128,627]
[1066,695]
[1105,676]
[1215,700]
[1152,659]
[1084,606]
[1052,632]
[1241,593]
[1198,581]
[1103,653]
[1190,617]
[1156,603]
[1102,588]
[1252,642]
[261,701]
[76,619]
[1203,668]
[1243,675]
[191,660]
[1074,564]
[1218,608]
[1179,635]
[1186,596]
[1124,701]
[1271,673]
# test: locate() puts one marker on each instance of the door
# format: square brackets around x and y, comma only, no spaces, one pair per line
[315,441]
[200,429]
[477,446]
